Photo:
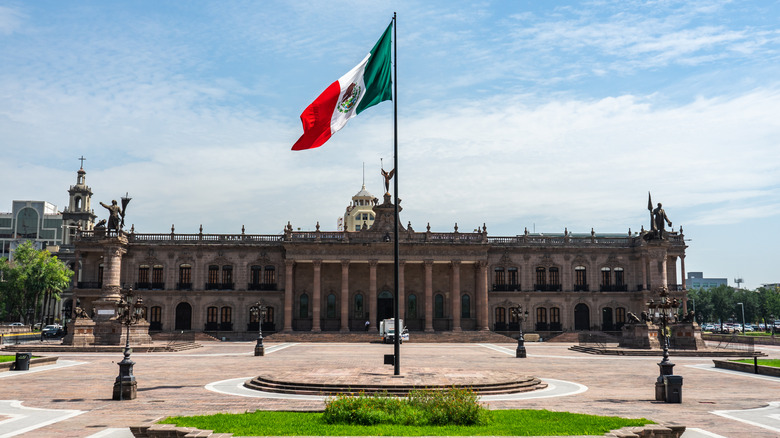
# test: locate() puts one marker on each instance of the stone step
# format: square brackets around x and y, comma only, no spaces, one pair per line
[373,337]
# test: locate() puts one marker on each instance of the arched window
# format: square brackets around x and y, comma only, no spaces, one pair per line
[541,314]
[499,277]
[619,279]
[331,306]
[411,307]
[555,319]
[143,277]
[155,318]
[227,278]
[269,275]
[438,306]
[212,318]
[185,277]
[303,306]
[269,314]
[620,317]
[541,278]
[555,278]
[512,280]
[500,324]
[226,318]
[158,279]
[255,272]
[465,306]
[580,278]
[606,277]
[213,279]
[358,308]
[77,203]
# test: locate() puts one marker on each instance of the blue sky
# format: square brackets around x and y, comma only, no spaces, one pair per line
[517,114]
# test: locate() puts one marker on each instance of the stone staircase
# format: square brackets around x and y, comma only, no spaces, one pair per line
[266,384]
[465,337]
[565,337]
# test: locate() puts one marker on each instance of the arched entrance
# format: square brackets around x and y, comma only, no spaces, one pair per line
[183,317]
[606,319]
[384,305]
[581,317]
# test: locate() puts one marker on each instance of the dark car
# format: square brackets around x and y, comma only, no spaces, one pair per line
[52,331]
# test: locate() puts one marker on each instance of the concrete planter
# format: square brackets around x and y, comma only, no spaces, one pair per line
[747,368]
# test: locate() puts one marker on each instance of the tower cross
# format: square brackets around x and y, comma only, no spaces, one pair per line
[82,161]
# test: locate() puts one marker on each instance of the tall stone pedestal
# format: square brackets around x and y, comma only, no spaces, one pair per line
[683,336]
[81,333]
[641,336]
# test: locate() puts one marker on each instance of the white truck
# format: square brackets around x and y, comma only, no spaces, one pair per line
[387,331]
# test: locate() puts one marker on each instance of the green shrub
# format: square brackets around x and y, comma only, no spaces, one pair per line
[454,406]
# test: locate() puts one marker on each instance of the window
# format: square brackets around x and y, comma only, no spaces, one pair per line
[620,315]
[580,276]
[227,277]
[371,216]
[225,314]
[303,306]
[465,306]
[555,276]
[555,315]
[619,281]
[541,315]
[500,278]
[211,315]
[331,306]
[158,281]
[185,276]
[269,314]
[512,276]
[513,317]
[357,227]
[438,306]
[27,223]
[500,315]
[156,314]
[253,317]
[606,276]
[269,276]
[541,278]
[100,273]
[255,273]
[358,309]
[213,277]
[411,309]
[143,275]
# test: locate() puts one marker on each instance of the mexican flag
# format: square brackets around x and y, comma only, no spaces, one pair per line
[364,86]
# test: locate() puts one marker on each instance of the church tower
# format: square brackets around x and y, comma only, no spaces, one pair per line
[79,213]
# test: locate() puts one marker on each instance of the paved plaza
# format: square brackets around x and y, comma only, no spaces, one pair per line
[73,398]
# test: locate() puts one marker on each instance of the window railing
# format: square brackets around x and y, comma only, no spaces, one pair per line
[261,286]
[506,287]
[219,286]
[547,287]
[183,286]
[613,288]
[158,286]
[143,286]
[581,288]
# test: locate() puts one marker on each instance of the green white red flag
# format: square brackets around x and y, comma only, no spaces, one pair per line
[362,87]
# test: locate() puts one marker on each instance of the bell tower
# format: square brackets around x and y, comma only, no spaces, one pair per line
[79,213]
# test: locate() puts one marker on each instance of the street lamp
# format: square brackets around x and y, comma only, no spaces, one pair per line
[662,312]
[743,317]
[129,312]
[258,311]
[517,313]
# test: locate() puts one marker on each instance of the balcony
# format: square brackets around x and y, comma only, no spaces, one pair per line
[143,286]
[510,287]
[183,286]
[548,287]
[89,285]
[261,286]
[581,288]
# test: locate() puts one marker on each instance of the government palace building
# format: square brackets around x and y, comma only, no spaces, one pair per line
[343,280]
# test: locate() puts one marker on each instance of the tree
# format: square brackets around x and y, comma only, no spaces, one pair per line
[31,276]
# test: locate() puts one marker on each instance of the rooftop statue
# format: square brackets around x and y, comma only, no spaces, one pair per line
[388,176]
[114,218]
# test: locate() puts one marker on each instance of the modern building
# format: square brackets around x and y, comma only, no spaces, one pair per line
[337,280]
[696,280]
[36,221]
[360,212]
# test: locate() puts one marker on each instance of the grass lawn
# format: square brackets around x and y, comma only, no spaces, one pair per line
[7,358]
[766,362]
[514,422]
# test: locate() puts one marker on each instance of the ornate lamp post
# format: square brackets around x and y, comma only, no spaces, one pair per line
[662,312]
[258,311]
[517,313]
[130,311]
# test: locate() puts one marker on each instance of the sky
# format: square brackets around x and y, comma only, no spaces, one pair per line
[522,114]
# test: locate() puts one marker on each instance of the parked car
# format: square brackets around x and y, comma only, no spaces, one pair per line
[16,324]
[52,331]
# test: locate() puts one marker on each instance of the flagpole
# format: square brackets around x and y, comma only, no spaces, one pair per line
[398,328]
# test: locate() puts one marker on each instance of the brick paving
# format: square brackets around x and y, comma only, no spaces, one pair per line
[173,383]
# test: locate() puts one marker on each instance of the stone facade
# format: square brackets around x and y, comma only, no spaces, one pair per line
[336,281]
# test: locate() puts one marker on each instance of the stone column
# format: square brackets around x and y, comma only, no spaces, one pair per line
[482,297]
[316,295]
[401,286]
[682,281]
[114,249]
[428,295]
[345,295]
[643,260]
[372,264]
[455,298]
[289,295]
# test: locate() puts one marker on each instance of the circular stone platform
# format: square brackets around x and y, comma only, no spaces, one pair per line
[328,381]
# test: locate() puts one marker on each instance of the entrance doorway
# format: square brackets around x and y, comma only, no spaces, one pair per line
[581,317]
[384,306]
[183,317]
[606,319]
